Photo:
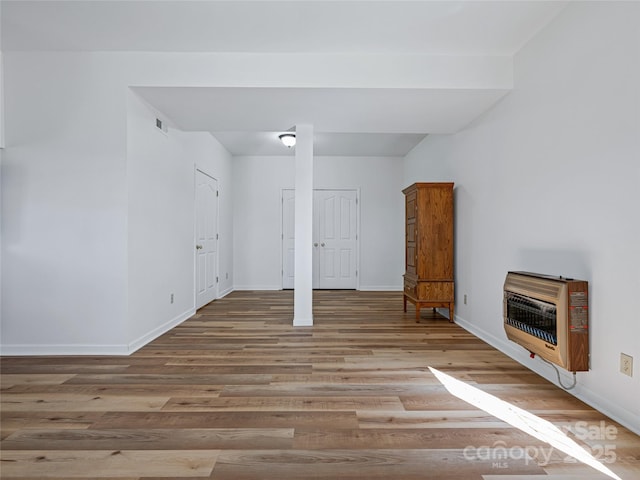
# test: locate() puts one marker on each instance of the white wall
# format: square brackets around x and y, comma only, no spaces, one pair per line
[1,101]
[63,209]
[1,149]
[257,225]
[160,224]
[1,92]
[213,159]
[161,219]
[381,213]
[69,250]
[65,192]
[548,182]
[257,185]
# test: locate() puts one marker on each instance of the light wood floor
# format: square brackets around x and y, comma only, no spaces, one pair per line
[237,393]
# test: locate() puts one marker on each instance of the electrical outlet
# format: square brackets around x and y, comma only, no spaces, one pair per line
[626,364]
[172,298]
[465,298]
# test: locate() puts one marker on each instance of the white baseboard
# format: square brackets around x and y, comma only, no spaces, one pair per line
[224,293]
[363,288]
[62,349]
[381,288]
[161,330]
[257,287]
[88,349]
[606,406]
[303,322]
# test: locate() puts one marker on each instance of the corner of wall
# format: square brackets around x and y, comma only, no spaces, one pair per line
[225,292]
[1,101]
[157,332]
[1,152]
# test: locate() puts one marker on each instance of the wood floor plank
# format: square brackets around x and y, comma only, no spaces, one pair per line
[53,369]
[537,399]
[370,464]
[584,476]
[508,378]
[225,419]
[11,422]
[152,439]
[120,389]
[30,402]
[313,389]
[196,357]
[455,419]
[236,392]
[190,370]
[464,419]
[85,477]
[290,404]
[356,378]
[11,380]
[411,438]
[171,379]
[108,463]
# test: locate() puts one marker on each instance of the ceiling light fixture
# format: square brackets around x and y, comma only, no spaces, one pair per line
[288,139]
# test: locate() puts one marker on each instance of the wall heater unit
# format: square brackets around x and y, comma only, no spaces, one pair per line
[549,316]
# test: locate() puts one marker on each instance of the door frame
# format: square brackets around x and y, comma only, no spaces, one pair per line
[282,239]
[195,236]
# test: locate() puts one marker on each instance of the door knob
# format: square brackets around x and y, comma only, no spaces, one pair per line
[322,244]
[315,244]
[198,247]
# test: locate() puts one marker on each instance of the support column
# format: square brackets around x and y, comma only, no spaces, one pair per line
[303,282]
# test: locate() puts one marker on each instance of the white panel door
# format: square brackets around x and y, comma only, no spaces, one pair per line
[336,235]
[335,239]
[206,239]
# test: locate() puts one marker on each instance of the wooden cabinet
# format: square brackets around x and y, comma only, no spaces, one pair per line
[428,278]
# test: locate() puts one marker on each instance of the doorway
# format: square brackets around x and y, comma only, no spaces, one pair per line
[335,239]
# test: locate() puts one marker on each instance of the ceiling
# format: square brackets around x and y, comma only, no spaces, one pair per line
[246,119]
[348,122]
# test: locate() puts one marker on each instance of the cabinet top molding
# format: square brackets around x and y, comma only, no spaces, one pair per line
[428,184]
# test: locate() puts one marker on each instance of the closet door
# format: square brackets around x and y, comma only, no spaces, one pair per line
[336,238]
[335,250]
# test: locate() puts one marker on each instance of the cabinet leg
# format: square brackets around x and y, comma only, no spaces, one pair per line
[404,301]
[417,311]
[451,313]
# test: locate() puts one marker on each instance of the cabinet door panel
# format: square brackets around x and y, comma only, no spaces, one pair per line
[435,232]
[411,205]
[411,259]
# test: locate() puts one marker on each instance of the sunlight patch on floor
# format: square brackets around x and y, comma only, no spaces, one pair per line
[517,417]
